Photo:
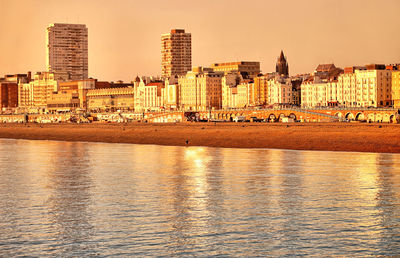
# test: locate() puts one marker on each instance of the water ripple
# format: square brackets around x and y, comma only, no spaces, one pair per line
[95,199]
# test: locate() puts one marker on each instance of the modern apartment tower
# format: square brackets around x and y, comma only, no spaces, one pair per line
[176,53]
[67,51]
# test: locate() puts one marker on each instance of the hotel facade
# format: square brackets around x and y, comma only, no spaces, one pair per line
[369,86]
[200,89]
[396,89]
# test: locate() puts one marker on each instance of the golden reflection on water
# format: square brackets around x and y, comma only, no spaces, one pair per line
[83,196]
[197,159]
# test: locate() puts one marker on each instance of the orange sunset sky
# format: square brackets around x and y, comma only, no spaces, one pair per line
[124,36]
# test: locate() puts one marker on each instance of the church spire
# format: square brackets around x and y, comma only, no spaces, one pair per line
[282,56]
[282,67]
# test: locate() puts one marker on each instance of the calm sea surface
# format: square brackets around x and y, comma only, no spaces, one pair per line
[83,199]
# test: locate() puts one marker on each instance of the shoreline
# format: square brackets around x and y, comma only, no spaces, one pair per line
[354,137]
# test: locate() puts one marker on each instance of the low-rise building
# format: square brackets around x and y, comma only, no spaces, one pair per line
[318,93]
[171,93]
[111,99]
[279,91]
[17,78]
[229,83]
[149,96]
[38,91]
[248,70]
[8,95]
[67,91]
[63,101]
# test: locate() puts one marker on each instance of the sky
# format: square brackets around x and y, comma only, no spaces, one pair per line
[125,35]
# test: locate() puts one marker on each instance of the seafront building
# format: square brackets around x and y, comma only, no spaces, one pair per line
[248,70]
[171,94]
[368,86]
[8,95]
[111,99]
[279,91]
[91,95]
[25,96]
[321,88]
[44,93]
[396,89]
[9,89]
[176,53]
[229,84]
[200,89]
[65,87]
[261,89]
[318,93]
[148,96]
[239,96]
[37,92]
[71,95]
[67,51]
[373,88]
[63,101]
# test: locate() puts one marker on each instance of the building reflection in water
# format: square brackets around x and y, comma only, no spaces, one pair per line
[388,194]
[115,199]
[188,196]
[69,184]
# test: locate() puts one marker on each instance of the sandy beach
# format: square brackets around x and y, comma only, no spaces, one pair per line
[299,136]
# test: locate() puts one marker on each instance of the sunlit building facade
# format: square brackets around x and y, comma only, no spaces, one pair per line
[176,53]
[365,88]
[279,91]
[240,96]
[149,96]
[67,51]
[356,87]
[247,70]
[396,89]
[319,94]
[37,92]
[111,99]
[25,95]
[201,89]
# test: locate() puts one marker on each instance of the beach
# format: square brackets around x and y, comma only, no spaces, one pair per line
[357,137]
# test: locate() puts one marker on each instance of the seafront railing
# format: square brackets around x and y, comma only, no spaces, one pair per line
[124,116]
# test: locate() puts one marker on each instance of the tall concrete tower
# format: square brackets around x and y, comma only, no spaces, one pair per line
[176,53]
[67,51]
[282,67]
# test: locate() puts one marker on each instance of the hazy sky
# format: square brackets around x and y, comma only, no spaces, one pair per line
[124,36]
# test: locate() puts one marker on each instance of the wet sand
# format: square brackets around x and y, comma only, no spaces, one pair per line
[360,137]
